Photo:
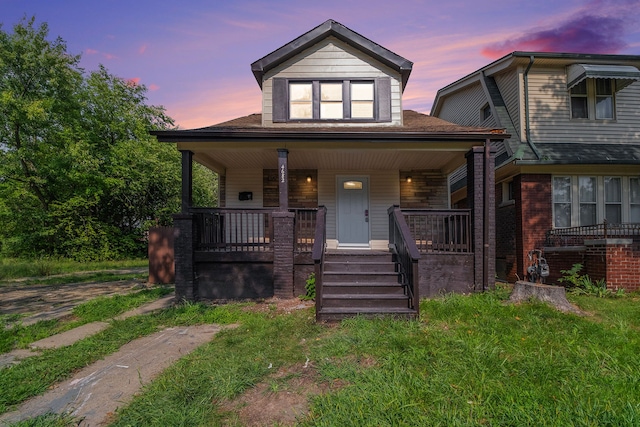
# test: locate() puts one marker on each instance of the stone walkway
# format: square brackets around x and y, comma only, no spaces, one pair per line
[97,391]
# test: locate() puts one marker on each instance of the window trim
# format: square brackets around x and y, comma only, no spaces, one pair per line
[381,100]
[601,203]
[592,97]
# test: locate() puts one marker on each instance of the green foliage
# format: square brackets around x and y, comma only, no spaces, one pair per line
[310,287]
[48,420]
[583,285]
[80,175]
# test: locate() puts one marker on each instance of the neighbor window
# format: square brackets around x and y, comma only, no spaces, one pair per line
[587,195]
[486,112]
[589,200]
[613,200]
[634,200]
[593,99]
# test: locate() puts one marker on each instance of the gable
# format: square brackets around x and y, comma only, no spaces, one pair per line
[331,28]
[335,61]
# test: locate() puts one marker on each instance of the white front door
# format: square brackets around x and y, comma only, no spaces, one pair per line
[353,211]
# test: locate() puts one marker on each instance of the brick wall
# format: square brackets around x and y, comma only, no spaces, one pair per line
[617,261]
[302,194]
[532,194]
[427,189]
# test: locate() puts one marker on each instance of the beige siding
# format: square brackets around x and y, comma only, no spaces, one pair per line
[550,112]
[464,107]
[384,191]
[509,85]
[238,180]
[331,58]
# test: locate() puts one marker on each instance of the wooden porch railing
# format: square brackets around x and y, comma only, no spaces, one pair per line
[317,253]
[233,230]
[575,236]
[305,227]
[440,230]
[404,247]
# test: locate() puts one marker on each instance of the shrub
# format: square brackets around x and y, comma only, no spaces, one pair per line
[310,287]
[583,285]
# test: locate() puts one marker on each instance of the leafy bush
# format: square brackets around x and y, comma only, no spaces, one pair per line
[310,287]
[583,285]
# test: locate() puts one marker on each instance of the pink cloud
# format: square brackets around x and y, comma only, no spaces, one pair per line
[142,49]
[585,33]
[153,87]
[89,51]
[135,81]
[109,56]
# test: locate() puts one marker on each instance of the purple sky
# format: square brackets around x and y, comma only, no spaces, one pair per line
[195,55]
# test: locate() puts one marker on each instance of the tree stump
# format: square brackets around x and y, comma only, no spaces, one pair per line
[554,295]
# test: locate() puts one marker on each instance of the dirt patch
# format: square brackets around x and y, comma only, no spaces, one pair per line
[282,399]
[279,305]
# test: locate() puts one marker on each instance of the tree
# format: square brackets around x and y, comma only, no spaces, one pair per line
[80,175]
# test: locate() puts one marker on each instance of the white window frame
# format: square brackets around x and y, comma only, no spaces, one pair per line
[574,199]
[592,99]
[321,106]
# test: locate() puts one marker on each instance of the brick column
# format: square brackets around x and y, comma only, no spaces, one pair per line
[283,235]
[481,200]
[186,285]
[534,218]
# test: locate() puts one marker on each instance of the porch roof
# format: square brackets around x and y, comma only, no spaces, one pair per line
[423,142]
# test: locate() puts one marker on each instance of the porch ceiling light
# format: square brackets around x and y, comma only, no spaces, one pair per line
[408,179]
[308,178]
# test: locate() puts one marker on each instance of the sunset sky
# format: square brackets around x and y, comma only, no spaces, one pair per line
[194,56]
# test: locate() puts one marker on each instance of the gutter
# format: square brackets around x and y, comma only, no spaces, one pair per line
[526,109]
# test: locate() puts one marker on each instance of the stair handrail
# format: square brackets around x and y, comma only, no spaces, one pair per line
[317,253]
[408,257]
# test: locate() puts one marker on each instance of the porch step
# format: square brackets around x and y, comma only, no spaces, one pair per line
[362,283]
[364,300]
[360,266]
[337,288]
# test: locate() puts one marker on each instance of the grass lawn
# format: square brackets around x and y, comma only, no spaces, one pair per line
[13,268]
[470,360]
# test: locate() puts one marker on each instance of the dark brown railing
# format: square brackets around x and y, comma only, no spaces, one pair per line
[440,230]
[305,227]
[575,236]
[404,247]
[317,253]
[233,230]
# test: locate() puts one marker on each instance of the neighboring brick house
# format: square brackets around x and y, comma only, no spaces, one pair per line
[568,179]
[333,166]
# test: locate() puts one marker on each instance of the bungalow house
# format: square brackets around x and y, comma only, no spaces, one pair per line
[334,178]
[568,178]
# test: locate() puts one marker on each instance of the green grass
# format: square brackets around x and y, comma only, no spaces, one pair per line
[470,360]
[101,308]
[13,268]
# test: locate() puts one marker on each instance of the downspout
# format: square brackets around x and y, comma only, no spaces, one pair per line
[527,130]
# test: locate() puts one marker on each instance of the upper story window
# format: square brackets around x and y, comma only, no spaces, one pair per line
[485,113]
[297,100]
[593,99]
